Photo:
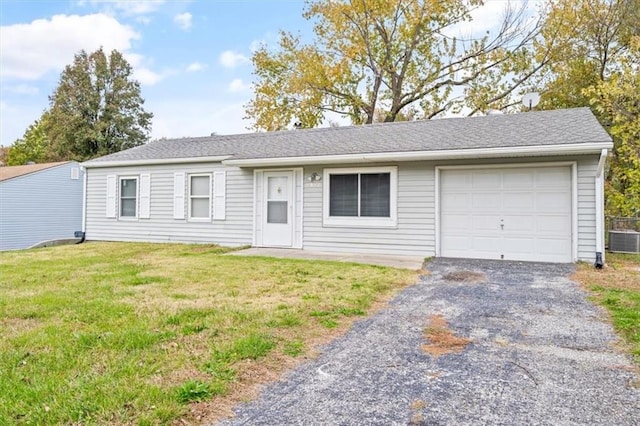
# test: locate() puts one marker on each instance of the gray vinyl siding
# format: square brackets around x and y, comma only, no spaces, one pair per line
[413,235]
[41,206]
[236,229]
[415,232]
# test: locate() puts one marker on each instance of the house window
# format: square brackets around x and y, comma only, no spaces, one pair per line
[129,197]
[200,197]
[362,197]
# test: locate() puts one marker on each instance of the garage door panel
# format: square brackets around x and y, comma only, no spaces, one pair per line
[519,179]
[456,201]
[533,205]
[520,245]
[550,177]
[553,246]
[461,243]
[519,223]
[552,202]
[485,222]
[461,222]
[485,200]
[517,201]
[486,179]
[554,225]
[484,244]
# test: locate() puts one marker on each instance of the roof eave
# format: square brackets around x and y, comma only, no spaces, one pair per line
[501,152]
[153,162]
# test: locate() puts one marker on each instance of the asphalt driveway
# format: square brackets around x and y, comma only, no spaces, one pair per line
[540,354]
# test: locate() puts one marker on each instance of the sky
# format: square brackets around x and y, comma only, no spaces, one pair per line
[191,57]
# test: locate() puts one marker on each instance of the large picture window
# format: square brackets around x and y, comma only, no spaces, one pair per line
[360,197]
[200,197]
[129,197]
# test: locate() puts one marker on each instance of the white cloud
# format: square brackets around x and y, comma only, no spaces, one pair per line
[146,77]
[231,59]
[142,71]
[127,7]
[183,20]
[22,89]
[29,51]
[195,67]
[237,85]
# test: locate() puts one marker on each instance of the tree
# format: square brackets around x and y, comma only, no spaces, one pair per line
[96,108]
[4,151]
[32,146]
[618,100]
[391,59]
[595,45]
[586,40]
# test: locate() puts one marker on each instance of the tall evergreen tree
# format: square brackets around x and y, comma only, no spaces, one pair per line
[97,108]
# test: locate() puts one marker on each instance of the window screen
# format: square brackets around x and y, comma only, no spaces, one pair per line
[364,195]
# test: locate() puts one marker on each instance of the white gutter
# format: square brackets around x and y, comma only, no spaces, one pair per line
[160,161]
[599,187]
[537,150]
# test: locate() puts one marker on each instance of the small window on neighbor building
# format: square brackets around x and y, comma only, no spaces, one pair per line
[75,173]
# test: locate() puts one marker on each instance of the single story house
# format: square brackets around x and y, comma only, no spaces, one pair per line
[525,186]
[40,202]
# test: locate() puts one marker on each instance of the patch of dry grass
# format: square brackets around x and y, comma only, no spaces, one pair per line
[466,276]
[442,341]
[620,272]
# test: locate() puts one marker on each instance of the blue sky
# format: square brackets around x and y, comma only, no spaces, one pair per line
[192,57]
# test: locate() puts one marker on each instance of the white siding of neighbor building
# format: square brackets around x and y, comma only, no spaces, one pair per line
[414,234]
[41,206]
[235,229]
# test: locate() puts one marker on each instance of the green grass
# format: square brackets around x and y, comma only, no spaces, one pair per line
[617,288]
[113,333]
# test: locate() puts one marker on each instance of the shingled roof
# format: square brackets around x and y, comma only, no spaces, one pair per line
[544,128]
[10,172]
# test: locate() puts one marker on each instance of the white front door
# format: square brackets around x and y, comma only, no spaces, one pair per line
[507,213]
[278,209]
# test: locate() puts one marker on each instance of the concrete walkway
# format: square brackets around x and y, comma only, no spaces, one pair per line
[403,262]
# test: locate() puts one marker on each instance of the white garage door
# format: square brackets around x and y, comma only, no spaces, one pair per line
[506,213]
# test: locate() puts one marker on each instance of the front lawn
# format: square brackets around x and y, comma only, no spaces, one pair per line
[115,333]
[617,288]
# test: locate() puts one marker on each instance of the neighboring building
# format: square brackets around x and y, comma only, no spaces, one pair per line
[39,202]
[522,186]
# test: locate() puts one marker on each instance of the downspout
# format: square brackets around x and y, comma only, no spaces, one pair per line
[82,234]
[599,187]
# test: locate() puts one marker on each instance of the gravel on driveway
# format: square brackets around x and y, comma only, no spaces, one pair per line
[540,354]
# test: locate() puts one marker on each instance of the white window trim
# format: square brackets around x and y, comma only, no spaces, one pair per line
[190,197]
[362,222]
[119,199]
